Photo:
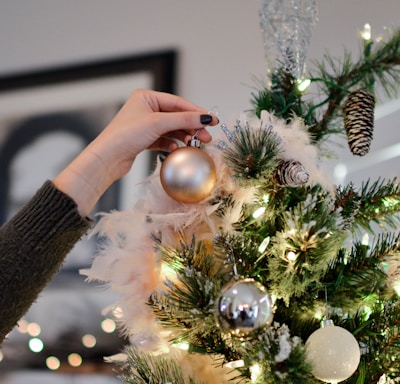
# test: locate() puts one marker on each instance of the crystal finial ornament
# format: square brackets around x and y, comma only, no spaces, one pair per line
[287,27]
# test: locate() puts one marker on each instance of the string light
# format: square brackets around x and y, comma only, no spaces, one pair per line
[258,212]
[167,271]
[182,346]
[235,364]
[22,326]
[108,325]
[74,360]
[367,312]
[319,314]
[266,198]
[255,371]
[89,341]
[366,32]
[53,363]
[302,85]
[365,239]
[291,256]
[36,345]
[33,329]
[264,244]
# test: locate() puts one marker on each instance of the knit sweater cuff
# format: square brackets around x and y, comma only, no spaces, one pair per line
[47,212]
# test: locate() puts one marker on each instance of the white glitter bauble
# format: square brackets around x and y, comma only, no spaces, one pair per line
[333,352]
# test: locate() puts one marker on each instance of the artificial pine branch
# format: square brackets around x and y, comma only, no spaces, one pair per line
[280,356]
[143,368]
[377,331]
[313,234]
[378,202]
[381,64]
[336,79]
[357,278]
[283,97]
[252,155]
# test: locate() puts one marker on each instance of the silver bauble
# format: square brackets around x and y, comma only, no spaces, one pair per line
[188,175]
[243,307]
[333,352]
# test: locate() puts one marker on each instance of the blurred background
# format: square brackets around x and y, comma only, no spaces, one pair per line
[219,47]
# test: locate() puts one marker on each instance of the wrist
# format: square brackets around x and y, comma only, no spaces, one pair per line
[85,180]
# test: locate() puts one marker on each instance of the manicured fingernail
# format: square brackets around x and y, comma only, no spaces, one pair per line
[205,119]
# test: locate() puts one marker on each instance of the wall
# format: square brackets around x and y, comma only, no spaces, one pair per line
[219,41]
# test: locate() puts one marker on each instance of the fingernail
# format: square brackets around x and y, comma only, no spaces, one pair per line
[205,119]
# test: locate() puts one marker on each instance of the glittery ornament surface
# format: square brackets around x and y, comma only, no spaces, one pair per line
[287,27]
[333,352]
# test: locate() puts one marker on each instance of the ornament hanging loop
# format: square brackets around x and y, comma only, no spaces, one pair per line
[194,141]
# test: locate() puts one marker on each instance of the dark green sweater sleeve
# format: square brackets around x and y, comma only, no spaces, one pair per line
[33,245]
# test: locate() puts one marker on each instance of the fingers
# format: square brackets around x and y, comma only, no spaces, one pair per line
[189,122]
[166,102]
[176,139]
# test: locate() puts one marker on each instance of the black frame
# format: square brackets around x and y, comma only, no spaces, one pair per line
[161,65]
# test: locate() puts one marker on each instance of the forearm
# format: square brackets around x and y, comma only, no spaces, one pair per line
[33,246]
[85,180]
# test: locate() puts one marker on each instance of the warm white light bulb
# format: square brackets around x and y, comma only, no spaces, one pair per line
[264,244]
[182,346]
[36,345]
[366,32]
[235,364]
[291,256]
[89,341]
[108,325]
[255,371]
[33,329]
[258,212]
[53,363]
[74,360]
[302,85]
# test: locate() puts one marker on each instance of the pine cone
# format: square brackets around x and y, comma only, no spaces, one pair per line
[291,173]
[358,113]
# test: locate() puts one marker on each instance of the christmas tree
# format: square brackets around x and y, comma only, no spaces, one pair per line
[242,262]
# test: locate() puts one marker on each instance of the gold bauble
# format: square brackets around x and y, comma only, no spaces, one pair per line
[188,175]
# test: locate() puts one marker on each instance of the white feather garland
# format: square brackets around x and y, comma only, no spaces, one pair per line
[296,144]
[127,261]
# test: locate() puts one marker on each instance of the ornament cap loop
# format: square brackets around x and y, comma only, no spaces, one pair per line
[194,142]
[327,323]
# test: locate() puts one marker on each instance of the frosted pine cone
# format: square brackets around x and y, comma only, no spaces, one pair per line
[291,173]
[358,115]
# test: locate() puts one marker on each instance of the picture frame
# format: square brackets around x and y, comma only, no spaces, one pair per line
[48,116]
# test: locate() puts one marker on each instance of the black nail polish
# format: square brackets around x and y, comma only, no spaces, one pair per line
[205,119]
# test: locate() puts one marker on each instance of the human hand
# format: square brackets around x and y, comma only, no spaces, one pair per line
[148,120]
